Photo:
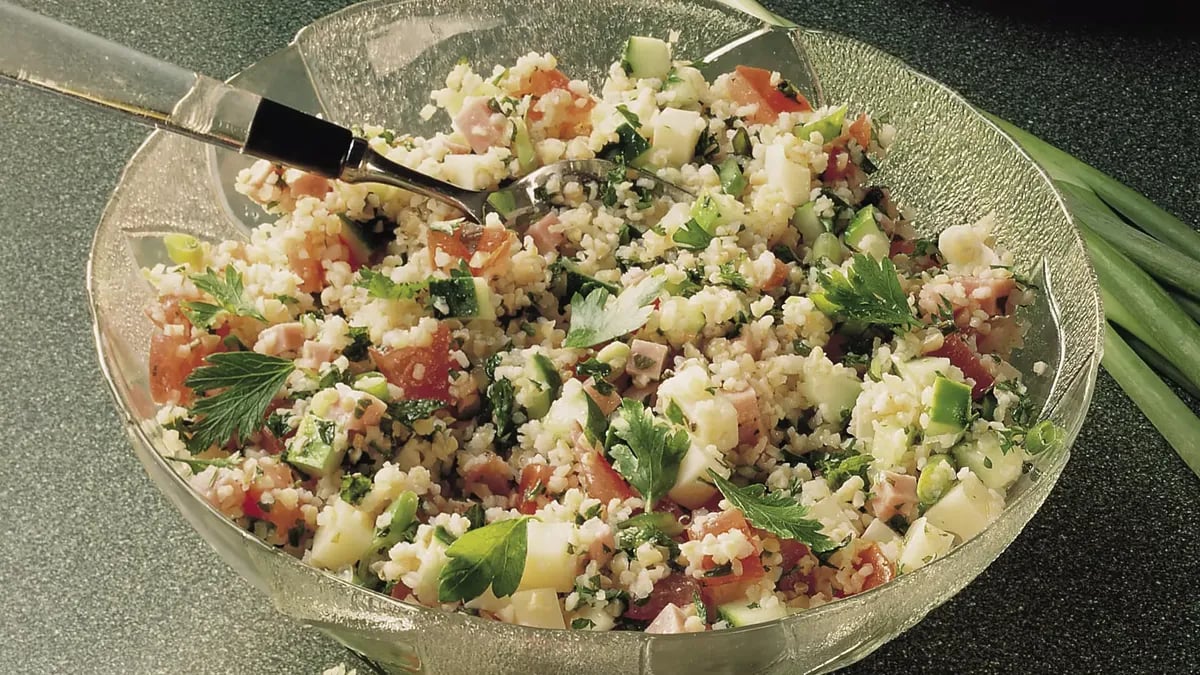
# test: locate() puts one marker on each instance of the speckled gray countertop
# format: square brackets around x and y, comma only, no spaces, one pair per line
[99,574]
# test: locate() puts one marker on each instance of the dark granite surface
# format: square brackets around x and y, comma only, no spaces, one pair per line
[100,575]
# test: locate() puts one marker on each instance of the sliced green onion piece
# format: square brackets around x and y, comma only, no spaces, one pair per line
[828,246]
[1043,436]
[183,249]
[1188,305]
[1141,211]
[1163,366]
[1163,262]
[1173,419]
[1148,306]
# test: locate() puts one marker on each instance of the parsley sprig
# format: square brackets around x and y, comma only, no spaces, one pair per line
[594,319]
[488,556]
[870,292]
[650,455]
[381,286]
[250,381]
[776,513]
[229,294]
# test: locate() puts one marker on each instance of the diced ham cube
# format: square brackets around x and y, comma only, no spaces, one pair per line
[480,125]
[646,359]
[279,339]
[543,237]
[748,414]
[355,410]
[669,620]
[310,185]
[894,493]
[607,404]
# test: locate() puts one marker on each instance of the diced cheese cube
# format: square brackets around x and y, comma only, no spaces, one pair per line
[967,508]
[343,536]
[923,543]
[675,134]
[549,562]
[539,608]
[792,178]
[693,486]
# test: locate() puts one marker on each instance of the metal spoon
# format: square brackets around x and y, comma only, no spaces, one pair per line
[39,52]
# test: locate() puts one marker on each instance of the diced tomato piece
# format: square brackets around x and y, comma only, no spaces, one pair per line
[494,243]
[722,522]
[400,591]
[834,172]
[902,246]
[491,471]
[962,356]
[542,82]
[172,359]
[534,478]
[351,257]
[401,367]
[271,476]
[576,116]
[792,552]
[677,588]
[882,570]
[749,86]
[835,349]
[601,480]
[860,130]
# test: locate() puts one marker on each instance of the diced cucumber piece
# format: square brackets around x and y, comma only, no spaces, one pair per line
[374,384]
[935,479]
[863,233]
[628,148]
[923,371]
[706,212]
[830,126]
[454,297]
[660,520]
[542,373]
[828,247]
[987,459]
[744,613]
[823,303]
[732,180]
[569,280]
[806,222]
[549,562]
[950,407]
[503,201]
[923,543]
[527,157]
[538,608]
[741,143]
[675,134]
[183,249]
[615,354]
[343,536]
[683,89]
[313,449]
[967,508]
[401,514]
[646,57]
[836,391]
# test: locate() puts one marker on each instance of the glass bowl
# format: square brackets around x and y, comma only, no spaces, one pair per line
[375,62]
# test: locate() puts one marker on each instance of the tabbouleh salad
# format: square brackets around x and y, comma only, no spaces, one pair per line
[629,413]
